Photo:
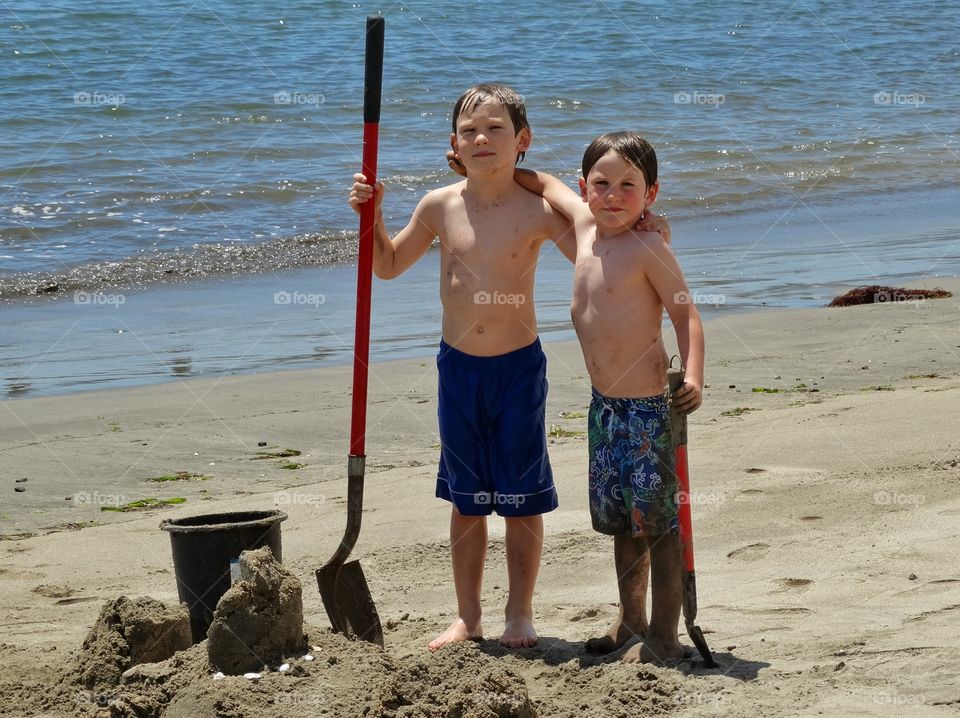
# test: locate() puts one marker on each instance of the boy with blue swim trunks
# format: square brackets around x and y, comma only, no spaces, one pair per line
[492,369]
[623,281]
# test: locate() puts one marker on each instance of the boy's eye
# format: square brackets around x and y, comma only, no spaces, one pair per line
[628,184]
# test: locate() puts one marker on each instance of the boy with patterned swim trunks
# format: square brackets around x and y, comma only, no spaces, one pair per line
[623,281]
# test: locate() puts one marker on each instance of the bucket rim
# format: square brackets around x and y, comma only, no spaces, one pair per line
[258,519]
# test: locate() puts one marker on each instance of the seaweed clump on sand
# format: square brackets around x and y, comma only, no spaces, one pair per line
[876,294]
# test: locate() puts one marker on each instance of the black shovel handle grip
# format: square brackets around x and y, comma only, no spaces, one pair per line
[373,74]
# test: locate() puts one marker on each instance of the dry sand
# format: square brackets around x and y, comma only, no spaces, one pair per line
[826,524]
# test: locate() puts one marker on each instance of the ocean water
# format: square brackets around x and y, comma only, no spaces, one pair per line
[180,144]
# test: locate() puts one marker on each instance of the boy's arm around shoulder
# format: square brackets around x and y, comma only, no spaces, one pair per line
[562,200]
[664,273]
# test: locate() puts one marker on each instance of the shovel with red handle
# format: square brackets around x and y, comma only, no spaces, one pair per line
[679,426]
[343,586]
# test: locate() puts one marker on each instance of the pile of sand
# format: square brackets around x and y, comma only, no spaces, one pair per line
[259,620]
[129,632]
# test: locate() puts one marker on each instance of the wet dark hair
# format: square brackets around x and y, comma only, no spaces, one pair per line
[493,92]
[630,146]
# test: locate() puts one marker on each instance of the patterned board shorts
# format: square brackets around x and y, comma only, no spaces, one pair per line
[633,482]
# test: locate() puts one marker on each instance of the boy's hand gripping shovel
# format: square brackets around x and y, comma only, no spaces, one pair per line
[343,586]
[679,427]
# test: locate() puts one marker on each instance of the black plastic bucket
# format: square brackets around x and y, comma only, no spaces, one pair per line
[203,549]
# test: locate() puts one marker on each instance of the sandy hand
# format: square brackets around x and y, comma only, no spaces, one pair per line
[687,398]
[657,223]
[453,161]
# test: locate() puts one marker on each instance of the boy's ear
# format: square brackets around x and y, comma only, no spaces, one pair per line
[583,189]
[524,139]
[453,141]
[652,193]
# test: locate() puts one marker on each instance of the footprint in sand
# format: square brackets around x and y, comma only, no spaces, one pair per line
[811,518]
[784,611]
[749,495]
[78,599]
[51,591]
[753,552]
[585,613]
[756,470]
[787,584]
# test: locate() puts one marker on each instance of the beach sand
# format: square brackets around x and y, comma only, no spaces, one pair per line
[825,515]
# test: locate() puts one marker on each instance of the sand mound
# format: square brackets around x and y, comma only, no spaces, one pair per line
[457,681]
[259,620]
[129,632]
[341,678]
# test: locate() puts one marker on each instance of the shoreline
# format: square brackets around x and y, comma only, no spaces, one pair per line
[128,418]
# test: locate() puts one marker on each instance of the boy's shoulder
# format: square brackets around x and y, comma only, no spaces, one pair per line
[650,241]
[648,251]
[442,194]
[438,200]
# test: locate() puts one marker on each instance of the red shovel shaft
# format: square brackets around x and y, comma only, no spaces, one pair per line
[686,521]
[373,80]
[361,341]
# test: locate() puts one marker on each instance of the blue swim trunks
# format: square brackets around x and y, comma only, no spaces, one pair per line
[493,442]
[633,480]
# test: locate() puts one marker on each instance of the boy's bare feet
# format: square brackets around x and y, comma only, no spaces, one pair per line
[649,651]
[519,633]
[617,637]
[458,632]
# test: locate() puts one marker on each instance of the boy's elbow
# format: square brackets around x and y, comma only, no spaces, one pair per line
[384,272]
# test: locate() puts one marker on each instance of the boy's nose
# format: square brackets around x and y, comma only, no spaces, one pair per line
[481,139]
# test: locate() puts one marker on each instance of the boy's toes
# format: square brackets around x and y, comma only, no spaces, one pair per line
[519,633]
[600,644]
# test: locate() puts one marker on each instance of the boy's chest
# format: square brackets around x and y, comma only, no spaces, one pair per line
[610,275]
[507,240]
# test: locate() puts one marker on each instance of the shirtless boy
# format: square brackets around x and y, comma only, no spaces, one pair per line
[492,370]
[623,280]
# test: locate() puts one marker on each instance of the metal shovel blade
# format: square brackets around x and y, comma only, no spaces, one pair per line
[343,587]
[348,601]
[690,618]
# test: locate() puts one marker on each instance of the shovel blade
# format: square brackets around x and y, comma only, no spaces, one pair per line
[348,601]
[689,580]
[696,635]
